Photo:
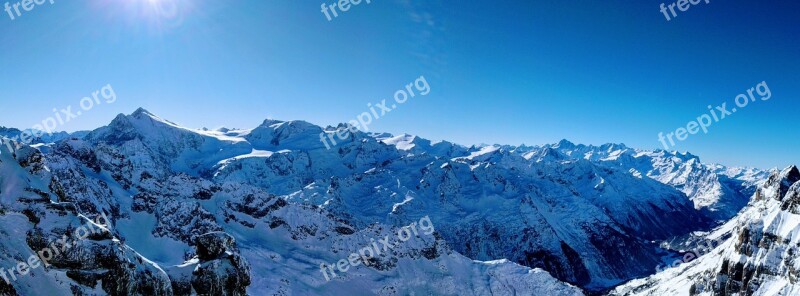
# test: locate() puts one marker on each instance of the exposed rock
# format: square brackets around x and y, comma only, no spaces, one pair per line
[212,245]
[221,270]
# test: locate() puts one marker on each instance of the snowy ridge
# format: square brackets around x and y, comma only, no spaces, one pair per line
[505,216]
[718,189]
[166,187]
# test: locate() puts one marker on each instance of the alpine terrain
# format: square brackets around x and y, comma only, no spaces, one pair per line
[271,211]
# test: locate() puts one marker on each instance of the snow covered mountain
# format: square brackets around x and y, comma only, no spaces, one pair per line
[720,190]
[38,137]
[50,248]
[267,210]
[756,253]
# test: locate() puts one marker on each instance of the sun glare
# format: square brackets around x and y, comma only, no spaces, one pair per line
[161,15]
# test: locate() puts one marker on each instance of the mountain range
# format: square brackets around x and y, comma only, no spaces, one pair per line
[264,211]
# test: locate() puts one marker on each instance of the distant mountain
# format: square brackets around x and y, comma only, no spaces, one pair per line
[39,137]
[504,216]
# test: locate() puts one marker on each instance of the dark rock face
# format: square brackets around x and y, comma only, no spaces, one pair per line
[228,276]
[7,290]
[123,278]
[184,220]
[783,181]
[213,245]
[31,159]
[84,154]
[791,202]
[218,269]
[99,257]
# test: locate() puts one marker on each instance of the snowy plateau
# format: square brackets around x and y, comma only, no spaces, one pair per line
[262,211]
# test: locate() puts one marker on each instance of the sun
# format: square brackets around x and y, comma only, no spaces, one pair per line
[165,9]
[154,15]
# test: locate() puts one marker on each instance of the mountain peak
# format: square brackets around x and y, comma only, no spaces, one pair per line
[149,117]
[269,122]
[141,111]
[564,143]
[791,174]
[779,182]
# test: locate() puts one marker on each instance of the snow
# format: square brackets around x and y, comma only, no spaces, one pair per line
[492,204]
[483,151]
[253,154]
[402,142]
[398,205]
[772,238]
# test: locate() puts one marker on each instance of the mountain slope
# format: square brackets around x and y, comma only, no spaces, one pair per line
[75,254]
[578,212]
[150,178]
[720,190]
[376,178]
[759,256]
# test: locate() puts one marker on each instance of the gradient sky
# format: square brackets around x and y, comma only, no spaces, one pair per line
[507,72]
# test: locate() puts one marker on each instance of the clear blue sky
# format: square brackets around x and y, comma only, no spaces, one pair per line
[507,72]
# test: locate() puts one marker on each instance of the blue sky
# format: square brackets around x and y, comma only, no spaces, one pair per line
[507,72]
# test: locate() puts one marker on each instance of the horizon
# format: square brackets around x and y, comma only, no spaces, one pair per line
[501,73]
[433,141]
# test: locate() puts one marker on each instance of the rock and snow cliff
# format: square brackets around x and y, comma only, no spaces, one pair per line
[756,252]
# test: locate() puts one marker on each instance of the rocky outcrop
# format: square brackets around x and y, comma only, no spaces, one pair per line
[791,201]
[218,268]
